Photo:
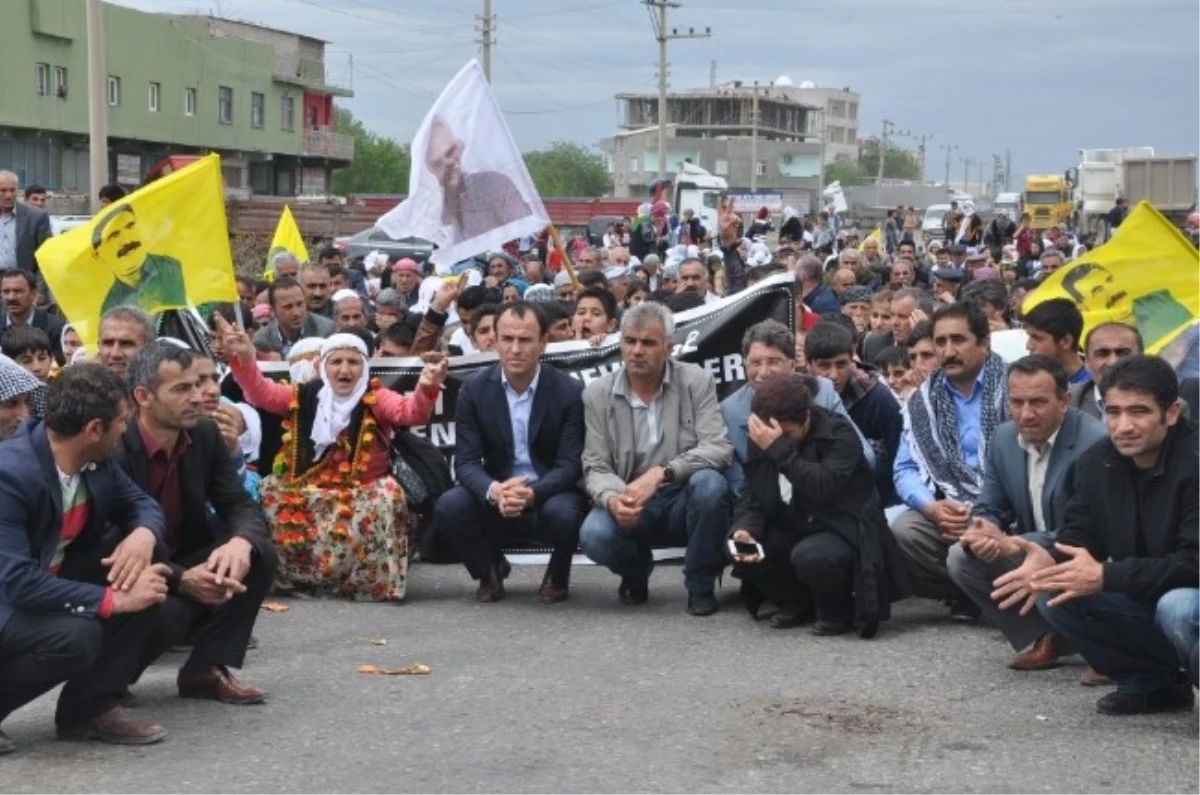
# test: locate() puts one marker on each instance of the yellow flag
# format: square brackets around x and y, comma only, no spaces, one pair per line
[877,236]
[164,246]
[1147,275]
[287,238]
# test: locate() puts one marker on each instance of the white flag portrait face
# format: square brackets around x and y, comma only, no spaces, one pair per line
[469,190]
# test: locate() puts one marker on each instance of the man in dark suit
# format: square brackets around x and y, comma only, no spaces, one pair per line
[1029,478]
[22,227]
[519,437]
[18,290]
[220,570]
[62,617]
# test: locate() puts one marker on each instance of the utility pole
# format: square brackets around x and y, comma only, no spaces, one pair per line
[97,102]
[821,166]
[966,161]
[921,141]
[1007,169]
[712,74]
[487,34]
[949,150]
[754,140]
[663,36]
[882,156]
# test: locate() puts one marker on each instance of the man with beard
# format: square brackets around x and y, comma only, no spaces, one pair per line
[652,463]
[218,579]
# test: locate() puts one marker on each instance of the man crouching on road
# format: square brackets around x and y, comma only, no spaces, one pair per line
[656,446]
[62,617]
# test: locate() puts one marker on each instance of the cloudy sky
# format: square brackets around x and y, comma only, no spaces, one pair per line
[1043,78]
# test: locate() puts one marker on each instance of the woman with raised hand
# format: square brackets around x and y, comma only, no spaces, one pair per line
[338,516]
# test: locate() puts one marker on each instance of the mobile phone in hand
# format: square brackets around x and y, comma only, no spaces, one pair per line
[742,549]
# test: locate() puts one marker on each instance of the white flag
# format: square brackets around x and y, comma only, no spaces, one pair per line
[469,191]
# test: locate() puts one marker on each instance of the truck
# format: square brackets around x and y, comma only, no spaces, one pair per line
[698,190]
[1047,200]
[1134,174]
[1009,204]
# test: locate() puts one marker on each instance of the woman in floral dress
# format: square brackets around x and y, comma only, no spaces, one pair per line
[338,516]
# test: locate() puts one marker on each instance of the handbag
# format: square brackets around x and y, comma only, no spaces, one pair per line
[421,469]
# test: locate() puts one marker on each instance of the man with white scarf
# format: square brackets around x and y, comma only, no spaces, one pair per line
[948,425]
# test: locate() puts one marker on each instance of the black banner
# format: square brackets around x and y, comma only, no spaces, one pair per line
[709,336]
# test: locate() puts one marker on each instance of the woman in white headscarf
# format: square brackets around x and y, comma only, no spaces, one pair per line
[339,517]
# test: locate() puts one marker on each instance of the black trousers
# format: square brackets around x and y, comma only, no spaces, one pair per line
[477,531]
[97,660]
[219,633]
[800,574]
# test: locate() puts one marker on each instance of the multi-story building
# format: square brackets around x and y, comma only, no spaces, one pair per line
[768,137]
[174,85]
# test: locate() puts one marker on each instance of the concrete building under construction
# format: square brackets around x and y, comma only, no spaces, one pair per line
[769,139]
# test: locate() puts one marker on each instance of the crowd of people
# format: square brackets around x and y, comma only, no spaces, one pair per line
[879,450]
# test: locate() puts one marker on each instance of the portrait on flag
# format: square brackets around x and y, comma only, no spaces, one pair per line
[164,246]
[469,190]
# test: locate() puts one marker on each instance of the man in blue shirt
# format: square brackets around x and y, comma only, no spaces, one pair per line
[948,426]
[519,455]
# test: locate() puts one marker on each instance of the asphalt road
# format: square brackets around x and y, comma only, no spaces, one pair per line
[592,696]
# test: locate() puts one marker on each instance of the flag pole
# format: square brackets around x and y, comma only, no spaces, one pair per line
[575,285]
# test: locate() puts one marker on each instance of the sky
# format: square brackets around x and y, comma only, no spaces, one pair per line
[1042,78]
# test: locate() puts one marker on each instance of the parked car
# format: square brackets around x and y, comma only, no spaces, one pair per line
[931,223]
[375,239]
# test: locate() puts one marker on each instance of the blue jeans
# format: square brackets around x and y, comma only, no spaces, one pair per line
[696,514]
[1177,616]
[1123,638]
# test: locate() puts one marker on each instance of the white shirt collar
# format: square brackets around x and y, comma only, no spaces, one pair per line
[532,384]
[1046,448]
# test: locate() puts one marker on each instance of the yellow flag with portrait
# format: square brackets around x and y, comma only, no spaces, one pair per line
[164,246]
[1147,275]
[287,238]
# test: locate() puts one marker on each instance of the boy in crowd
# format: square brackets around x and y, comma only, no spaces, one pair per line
[595,314]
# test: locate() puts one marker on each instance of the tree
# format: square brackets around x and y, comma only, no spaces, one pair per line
[381,165]
[897,163]
[846,172]
[567,169]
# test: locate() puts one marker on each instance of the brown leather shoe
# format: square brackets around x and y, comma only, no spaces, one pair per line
[491,588]
[116,726]
[550,593]
[1093,678]
[218,684]
[1044,653]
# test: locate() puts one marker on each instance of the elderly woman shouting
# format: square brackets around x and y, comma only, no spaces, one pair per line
[810,505]
[339,518]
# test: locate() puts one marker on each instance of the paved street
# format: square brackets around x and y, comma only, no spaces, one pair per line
[591,696]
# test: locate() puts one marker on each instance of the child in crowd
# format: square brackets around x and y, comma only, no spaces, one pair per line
[892,363]
[30,348]
[595,315]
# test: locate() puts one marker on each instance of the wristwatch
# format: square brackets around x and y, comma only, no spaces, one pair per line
[668,475]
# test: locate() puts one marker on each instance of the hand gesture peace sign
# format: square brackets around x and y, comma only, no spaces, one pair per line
[234,339]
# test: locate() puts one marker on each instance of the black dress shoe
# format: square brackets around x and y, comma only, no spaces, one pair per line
[702,604]
[786,619]
[1176,698]
[964,610]
[832,626]
[633,592]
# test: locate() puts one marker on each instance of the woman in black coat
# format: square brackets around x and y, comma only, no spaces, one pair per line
[810,501]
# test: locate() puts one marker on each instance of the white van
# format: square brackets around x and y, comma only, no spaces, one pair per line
[931,223]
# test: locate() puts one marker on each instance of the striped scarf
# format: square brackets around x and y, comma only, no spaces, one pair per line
[933,421]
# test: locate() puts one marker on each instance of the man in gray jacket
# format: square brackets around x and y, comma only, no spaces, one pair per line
[652,463]
[1028,480]
[293,322]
